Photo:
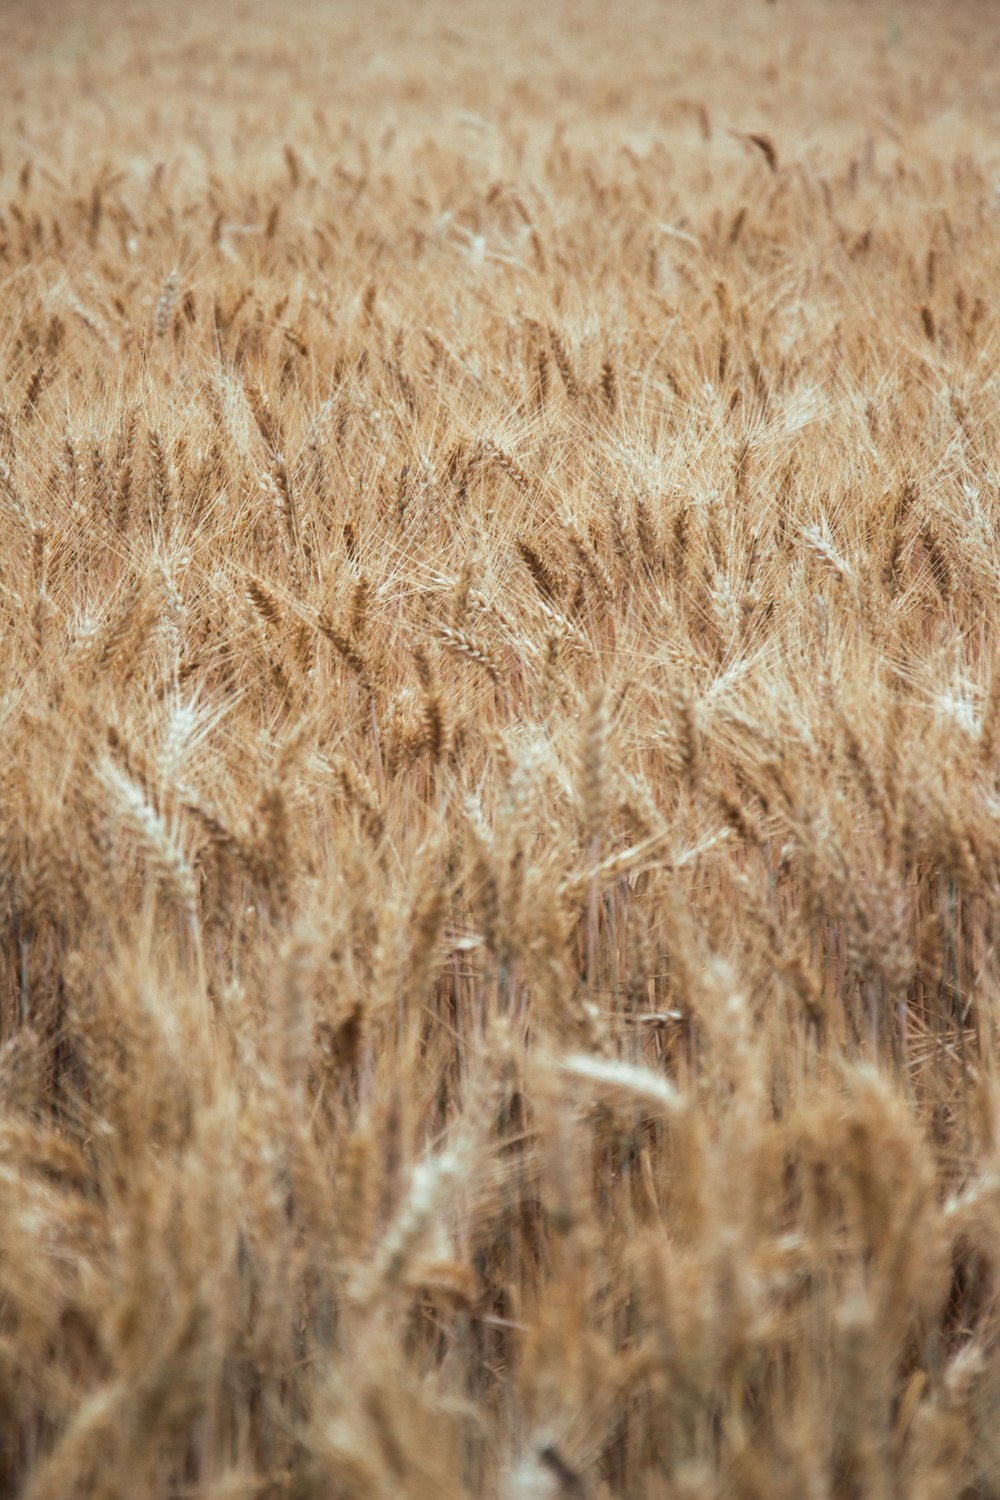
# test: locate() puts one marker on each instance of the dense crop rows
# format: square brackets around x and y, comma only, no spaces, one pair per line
[500,706]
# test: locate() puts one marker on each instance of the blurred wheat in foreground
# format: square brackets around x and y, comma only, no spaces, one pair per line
[500,792]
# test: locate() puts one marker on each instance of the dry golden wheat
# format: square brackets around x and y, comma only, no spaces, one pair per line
[500,803]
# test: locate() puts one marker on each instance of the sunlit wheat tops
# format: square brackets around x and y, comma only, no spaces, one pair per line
[500,793]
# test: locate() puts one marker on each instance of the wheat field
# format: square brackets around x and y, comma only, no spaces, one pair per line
[500,706]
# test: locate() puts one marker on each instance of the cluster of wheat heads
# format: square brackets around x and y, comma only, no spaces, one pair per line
[500,708]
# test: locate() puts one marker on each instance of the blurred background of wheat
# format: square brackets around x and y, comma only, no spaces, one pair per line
[500,704]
